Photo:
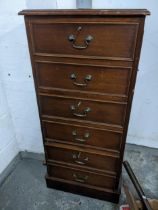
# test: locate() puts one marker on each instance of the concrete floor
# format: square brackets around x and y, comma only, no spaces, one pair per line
[25,189]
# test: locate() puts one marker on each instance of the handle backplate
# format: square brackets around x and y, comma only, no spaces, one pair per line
[80,160]
[86,80]
[73,39]
[76,113]
[84,139]
[80,178]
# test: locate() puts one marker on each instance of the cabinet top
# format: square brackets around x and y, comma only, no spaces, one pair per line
[98,12]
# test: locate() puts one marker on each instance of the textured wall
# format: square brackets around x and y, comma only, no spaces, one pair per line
[8,144]
[22,121]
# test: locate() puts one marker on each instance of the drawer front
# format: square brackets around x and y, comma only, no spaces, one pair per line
[81,176]
[110,113]
[110,39]
[82,158]
[82,135]
[83,78]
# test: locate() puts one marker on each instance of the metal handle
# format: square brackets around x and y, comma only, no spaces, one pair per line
[72,38]
[86,80]
[145,202]
[80,178]
[84,139]
[77,159]
[84,112]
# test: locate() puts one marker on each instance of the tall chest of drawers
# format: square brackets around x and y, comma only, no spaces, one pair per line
[84,66]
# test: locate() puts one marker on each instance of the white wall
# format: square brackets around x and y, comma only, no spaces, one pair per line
[8,144]
[22,120]
[143,127]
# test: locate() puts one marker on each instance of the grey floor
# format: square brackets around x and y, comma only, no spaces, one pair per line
[25,189]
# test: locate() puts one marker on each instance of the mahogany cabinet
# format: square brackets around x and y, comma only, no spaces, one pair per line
[84,65]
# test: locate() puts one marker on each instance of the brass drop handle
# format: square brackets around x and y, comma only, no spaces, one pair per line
[77,159]
[72,38]
[84,139]
[80,178]
[86,80]
[84,112]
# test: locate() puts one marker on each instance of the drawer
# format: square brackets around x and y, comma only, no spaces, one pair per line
[110,80]
[112,39]
[82,158]
[88,136]
[82,176]
[82,109]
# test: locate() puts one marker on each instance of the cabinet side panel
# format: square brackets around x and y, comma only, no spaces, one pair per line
[132,86]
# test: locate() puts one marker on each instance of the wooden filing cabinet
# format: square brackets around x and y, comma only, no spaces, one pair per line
[84,66]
